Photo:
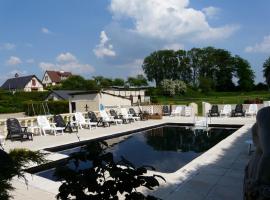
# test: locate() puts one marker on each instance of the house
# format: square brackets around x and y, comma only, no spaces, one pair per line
[135,94]
[90,101]
[54,77]
[24,83]
[58,95]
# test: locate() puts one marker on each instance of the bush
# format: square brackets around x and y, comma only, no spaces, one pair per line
[172,88]
[104,178]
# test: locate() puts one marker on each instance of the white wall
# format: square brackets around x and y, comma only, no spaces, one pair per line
[109,100]
[46,82]
[30,87]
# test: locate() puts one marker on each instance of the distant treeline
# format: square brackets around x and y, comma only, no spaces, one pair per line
[205,68]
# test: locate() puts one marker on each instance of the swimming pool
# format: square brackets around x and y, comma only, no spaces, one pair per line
[166,148]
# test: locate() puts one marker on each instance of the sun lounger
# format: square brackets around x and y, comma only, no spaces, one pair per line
[46,126]
[82,122]
[16,131]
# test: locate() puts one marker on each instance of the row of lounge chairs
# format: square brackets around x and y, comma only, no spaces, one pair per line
[237,112]
[59,126]
[178,111]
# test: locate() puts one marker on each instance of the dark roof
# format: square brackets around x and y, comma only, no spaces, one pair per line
[18,83]
[64,94]
[96,92]
[55,76]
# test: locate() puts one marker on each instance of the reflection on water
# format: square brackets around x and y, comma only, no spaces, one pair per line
[184,139]
[167,148]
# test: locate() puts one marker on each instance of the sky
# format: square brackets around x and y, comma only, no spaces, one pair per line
[112,37]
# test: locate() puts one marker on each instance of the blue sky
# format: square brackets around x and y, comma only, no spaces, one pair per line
[112,37]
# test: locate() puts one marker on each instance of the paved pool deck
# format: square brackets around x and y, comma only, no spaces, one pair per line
[215,175]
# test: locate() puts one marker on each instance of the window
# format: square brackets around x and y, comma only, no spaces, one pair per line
[46,78]
[34,83]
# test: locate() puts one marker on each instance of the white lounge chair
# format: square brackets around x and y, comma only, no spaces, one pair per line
[45,125]
[177,111]
[252,110]
[109,119]
[188,111]
[226,111]
[82,122]
[127,116]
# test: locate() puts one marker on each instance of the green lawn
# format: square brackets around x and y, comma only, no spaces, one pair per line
[213,98]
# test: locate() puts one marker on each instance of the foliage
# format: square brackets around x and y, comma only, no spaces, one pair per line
[172,88]
[137,81]
[260,87]
[104,178]
[118,82]
[266,71]
[78,83]
[11,103]
[205,84]
[244,74]
[217,65]
[13,164]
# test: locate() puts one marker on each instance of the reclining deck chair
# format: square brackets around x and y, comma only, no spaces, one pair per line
[252,110]
[16,131]
[226,111]
[238,111]
[45,126]
[109,119]
[135,115]
[60,122]
[82,122]
[213,112]
[166,110]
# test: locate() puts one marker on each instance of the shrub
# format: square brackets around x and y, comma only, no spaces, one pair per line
[102,177]
[251,101]
[170,87]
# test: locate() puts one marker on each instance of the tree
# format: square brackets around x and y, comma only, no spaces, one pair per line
[74,83]
[103,82]
[161,65]
[118,82]
[137,81]
[266,71]
[244,74]
[13,164]
[104,178]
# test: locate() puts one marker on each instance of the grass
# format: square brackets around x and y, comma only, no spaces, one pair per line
[213,98]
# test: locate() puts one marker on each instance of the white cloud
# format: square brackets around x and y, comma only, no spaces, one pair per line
[168,19]
[66,57]
[262,47]
[67,62]
[45,30]
[211,11]
[174,46]
[13,60]
[30,60]
[7,46]
[104,48]
[134,67]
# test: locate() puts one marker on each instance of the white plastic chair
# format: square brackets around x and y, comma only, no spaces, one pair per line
[226,111]
[108,119]
[188,111]
[177,111]
[45,125]
[82,122]
[252,110]
[127,116]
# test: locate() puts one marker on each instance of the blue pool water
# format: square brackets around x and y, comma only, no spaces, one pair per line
[167,149]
